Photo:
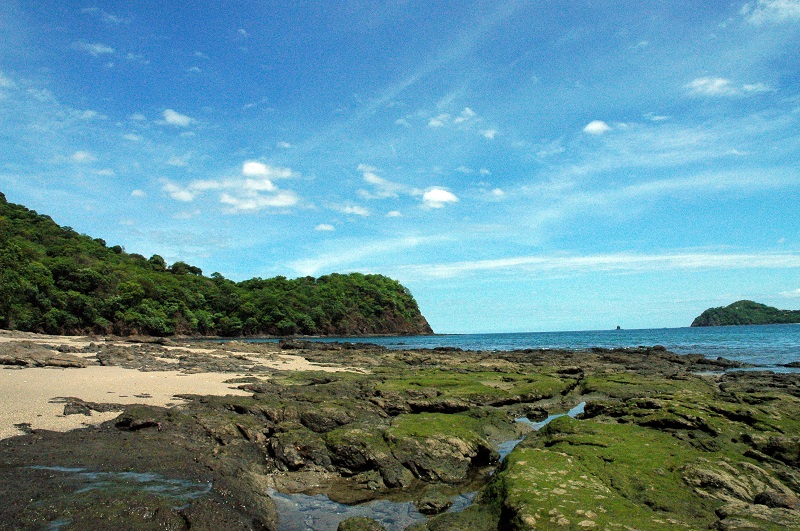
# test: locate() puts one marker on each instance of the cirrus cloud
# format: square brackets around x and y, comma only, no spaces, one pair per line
[772,11]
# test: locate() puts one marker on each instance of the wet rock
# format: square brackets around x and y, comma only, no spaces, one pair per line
[440,459]
[324,419]
[433,503]
[360,523]
[447,405]
[298,449]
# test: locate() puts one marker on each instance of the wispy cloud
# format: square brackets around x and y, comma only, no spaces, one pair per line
[105,17]
[347,252]
[382,188]
[82,157]
[172,117]
[94,49]
[720,86]
[351,210]
[772,11]
[620,262]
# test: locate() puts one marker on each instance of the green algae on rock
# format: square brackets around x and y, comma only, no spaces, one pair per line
[658,446]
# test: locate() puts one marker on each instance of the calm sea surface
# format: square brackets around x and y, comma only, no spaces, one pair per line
[766,346]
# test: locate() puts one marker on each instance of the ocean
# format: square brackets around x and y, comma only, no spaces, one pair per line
[764,346]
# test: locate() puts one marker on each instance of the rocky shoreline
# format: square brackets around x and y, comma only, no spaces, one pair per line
[665,441]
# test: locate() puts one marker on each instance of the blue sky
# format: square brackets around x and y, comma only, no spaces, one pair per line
[519,165]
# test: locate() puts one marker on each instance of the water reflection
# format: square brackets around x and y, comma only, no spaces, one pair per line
[301,512]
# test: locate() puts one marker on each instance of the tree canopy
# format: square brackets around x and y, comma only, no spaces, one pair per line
[746,313]
[57,281]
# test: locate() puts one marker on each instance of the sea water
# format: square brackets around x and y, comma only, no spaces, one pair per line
[764,346]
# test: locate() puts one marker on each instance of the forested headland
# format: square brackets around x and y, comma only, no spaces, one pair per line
[746,313]
[57,281]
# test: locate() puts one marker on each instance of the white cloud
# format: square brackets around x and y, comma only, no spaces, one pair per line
[243,33]
[466,115]
[794,294]
[252,192]
[201,55]
[137,117]
[177,193]
[403,122]
[722,87]
[437,198]
[485,171]
[772,11]
[106,172]
[254,168]
[138,193]
[439,121]
[351,210]
[93,49]
[194,70]
[82,157]
[132,137]
[711,86]
[622,262]
[283,145]
[596,127]
[325,227]
[498,193]
[255,202]
[465,170]
[175,118]
[394,214]
[489,133]
[757,88]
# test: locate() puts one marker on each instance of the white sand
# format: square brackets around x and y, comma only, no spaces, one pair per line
[25,394]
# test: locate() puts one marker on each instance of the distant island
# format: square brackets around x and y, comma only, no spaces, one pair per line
[746,313]
[54,280]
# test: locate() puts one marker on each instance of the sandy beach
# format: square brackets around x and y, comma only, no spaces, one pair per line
[33,396]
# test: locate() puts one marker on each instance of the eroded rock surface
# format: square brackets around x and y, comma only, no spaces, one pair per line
[659,446]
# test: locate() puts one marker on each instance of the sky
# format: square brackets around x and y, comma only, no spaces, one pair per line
[518,165]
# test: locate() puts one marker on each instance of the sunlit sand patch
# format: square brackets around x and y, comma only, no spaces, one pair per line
[26,394]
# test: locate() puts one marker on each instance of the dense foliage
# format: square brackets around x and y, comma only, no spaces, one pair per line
[746,313]
[57,281]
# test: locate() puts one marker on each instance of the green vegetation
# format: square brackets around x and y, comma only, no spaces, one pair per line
[746,313]
[56,281]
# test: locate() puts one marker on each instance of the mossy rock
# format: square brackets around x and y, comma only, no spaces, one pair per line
[584,474]
[360,523]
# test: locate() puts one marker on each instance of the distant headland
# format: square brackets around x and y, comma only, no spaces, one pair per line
[746,313]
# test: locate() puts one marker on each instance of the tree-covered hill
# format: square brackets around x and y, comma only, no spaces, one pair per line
[56,281]
[746,313]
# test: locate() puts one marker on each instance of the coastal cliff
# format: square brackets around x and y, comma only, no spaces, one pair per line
[57,281]
[746,313]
